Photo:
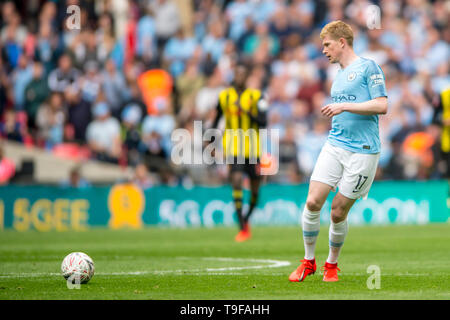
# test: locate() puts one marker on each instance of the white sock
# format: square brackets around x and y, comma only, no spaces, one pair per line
[310,226]
[337,234]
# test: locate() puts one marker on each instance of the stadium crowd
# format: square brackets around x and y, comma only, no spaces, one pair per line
[78,90]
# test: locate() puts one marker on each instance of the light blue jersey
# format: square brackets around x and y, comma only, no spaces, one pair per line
[361,81]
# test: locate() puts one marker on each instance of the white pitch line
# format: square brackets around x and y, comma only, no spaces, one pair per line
[25,275]
[206,271]
[197,273]
[273,264]
[261,264]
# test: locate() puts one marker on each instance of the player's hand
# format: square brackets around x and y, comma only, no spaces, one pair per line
[333,109]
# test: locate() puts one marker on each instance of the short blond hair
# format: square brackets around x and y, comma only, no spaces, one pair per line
[336,30]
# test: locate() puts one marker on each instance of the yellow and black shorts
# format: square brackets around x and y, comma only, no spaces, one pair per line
[251,169]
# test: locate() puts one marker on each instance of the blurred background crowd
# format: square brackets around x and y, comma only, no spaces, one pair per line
[87,93]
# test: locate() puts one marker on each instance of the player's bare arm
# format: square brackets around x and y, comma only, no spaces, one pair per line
[375,106]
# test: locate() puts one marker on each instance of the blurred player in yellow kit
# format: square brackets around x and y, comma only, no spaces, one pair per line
[244,110]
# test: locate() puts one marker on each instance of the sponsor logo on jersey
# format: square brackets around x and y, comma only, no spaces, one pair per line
[344,98]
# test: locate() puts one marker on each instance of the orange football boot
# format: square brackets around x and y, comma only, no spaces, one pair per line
[330,272]
[244,234]
[305,269]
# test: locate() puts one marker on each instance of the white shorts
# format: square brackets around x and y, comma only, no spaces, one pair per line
[351,172]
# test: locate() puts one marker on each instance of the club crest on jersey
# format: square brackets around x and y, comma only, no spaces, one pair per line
[351,76]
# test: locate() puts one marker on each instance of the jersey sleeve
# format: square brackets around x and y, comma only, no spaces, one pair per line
[375,81]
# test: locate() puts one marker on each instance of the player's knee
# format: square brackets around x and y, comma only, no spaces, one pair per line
[236,181]
[236,184]
[313,205]
[338,214]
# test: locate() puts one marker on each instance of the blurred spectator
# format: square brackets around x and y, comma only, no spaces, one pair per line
[103,134]
[261,37]
[8,10]
[22,75]
[13,36]
[11,128]
[7,168]
[75,180]
[395,168]
[227,61]
[199,42]
[47,48]
[156,132]
[113,84]
[280,27]
[4,88]
[236,13]
[142,177]
[167,20]
[78,112]
[36,92]
[131,119]
[214,42]
[90,82]
[263,10]
[310,145]
[50,120]
[85,49]
[133,96]
[417,149]
[63,76]
[434,52]
[48,13]
[187,85]
[177,51]
[105,38]
[146,37]
[207,97]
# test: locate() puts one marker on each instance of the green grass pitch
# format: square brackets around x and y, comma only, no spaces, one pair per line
[159,263]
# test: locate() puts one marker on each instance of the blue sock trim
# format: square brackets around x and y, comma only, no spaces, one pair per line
[336,244]
[310,233]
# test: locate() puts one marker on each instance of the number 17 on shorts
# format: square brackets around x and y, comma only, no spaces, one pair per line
[352,173]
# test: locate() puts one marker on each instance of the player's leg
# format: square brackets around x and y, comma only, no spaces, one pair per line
[359,173]
[338,225]
[245,233]
[317,195]
[255,183]
[338,231]
[326,175]
[236,179]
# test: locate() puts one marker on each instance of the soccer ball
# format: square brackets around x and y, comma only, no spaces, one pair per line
[77,267]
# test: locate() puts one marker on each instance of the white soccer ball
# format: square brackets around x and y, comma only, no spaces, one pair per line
[77,267]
